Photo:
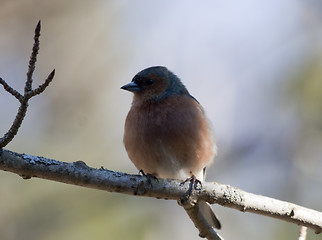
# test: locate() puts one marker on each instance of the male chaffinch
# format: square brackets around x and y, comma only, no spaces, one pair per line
[166,131]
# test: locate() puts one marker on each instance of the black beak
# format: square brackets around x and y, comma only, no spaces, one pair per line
[132,87]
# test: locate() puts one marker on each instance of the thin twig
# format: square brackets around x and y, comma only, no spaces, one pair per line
[43,86]
[303,232]
[10,90]
[8,136]
[205,229]
[33,59]
[28,92]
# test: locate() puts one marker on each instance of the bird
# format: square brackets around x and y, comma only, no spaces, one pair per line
[166,132]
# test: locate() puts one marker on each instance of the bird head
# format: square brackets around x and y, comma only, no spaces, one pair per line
[155,83]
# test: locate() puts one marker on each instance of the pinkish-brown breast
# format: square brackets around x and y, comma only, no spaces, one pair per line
[170,138]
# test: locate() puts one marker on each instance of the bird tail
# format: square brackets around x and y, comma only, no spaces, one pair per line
[208,214]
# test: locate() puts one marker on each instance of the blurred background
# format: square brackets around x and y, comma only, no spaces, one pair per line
[255,66]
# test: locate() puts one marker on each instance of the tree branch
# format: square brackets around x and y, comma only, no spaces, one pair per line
[205,229]
[78,173]
[28,91]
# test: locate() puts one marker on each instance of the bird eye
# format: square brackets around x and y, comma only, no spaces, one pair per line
[149,81]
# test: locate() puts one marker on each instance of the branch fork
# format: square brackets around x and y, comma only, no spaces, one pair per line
[28,91]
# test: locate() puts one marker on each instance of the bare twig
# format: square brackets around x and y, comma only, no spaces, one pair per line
[205,229]
[303,232]
[33,59]
[28,91]
[9,89]
[42,87]
[80,174]
[8,136]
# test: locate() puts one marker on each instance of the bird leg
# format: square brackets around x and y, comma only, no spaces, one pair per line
[192,185]
[148,177]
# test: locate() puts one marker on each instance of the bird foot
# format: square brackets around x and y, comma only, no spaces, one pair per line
[193,185]
[148,177]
